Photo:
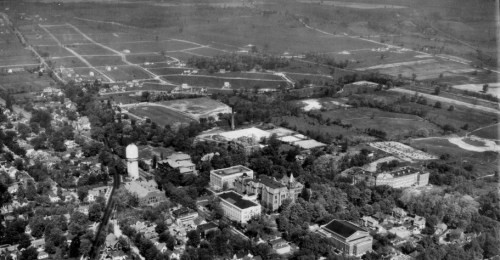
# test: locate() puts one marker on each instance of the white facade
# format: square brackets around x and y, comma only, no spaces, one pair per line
[132,154]
[237,208]
[227,176]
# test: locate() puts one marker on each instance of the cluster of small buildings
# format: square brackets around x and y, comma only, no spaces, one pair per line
[251,139]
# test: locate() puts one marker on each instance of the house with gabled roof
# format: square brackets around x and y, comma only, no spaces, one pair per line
[348,237]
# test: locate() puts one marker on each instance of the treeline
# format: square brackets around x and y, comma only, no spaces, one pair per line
[327,60]
[235,63]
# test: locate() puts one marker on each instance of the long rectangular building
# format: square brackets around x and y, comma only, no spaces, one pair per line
[224,178]
[403,177]
[348,237]
[237,208]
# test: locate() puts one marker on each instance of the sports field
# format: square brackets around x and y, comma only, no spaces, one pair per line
[160,115]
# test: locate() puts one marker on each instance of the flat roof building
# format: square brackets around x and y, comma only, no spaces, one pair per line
[238,208]
[146,191]
[403,177]
[348,237]
[225,178]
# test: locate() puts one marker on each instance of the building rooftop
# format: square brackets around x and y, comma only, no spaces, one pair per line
[237,200]
[404,171]
[247,132]
[309,144]
[182,212]
[207,226]
[343,228]
[270,182]
[231,170]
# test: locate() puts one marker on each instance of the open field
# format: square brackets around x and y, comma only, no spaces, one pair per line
[68,62]
[105,60]
[125,73]
[493,89]
[322,103]
[53,51]
[218,82]
[396,125]
[90,49]
[24,82]
[160,115]
[167,70]
[150,46]
[490,132]
[142,58]
[485,163]
[353,5]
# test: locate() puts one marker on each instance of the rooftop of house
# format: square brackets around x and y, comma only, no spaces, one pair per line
[343,228]
[182,212]
[309,144]
[231,170]
[237,200]
[207,226]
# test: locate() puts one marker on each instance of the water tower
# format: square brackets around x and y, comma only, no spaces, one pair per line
[132,153]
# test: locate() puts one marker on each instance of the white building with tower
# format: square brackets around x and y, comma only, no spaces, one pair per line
[132,154]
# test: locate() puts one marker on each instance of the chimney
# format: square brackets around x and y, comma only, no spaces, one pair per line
[232,119]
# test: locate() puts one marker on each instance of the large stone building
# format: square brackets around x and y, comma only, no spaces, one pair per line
[146,191]
[225,178]
[403,177]
[270,192]
[348,237]
[238,208]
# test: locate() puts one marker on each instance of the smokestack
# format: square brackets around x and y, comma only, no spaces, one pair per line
[232,119]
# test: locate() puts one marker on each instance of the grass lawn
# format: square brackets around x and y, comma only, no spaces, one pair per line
[91,49]
[491,132]
[123,73]
[104,60]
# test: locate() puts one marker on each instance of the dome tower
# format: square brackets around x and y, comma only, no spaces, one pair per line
[132,154]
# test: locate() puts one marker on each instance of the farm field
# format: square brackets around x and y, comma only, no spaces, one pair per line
[217,82]
[152,46]
[207,52]
[160,115]
[167,70]
[90,49]
[152,87]
[53,51]
[24,82]
[424,71]
[105,60]
[125,73]
[68,62]
[142,58]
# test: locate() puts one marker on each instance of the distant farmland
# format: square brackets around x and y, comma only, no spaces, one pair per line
[217,82]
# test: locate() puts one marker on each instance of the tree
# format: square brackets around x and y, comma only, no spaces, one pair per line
[193,238]
[437,90]
[95,212]
[437,105]
[485,88]
[451,108]
[29,254]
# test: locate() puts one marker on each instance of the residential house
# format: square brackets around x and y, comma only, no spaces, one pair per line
[419,222]
[111,242]
[103,191]
[369,222]
[399,212]
[280,246]
[38,243]
[184,215]
[42,255]
[206,228]
[180,161]
[348,237]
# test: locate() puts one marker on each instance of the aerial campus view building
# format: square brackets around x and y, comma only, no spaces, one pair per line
[249,130]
